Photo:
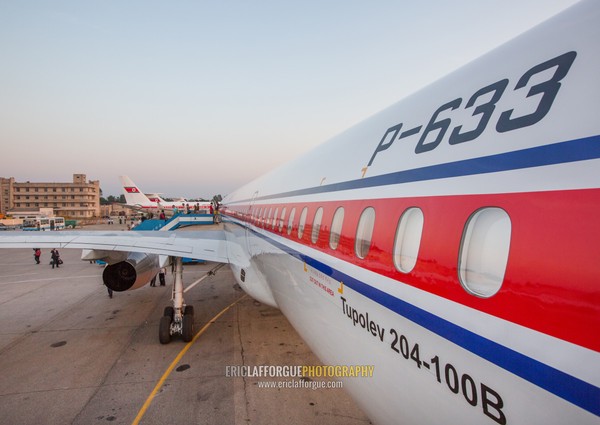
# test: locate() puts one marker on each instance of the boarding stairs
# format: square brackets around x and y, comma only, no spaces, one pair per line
[178,220]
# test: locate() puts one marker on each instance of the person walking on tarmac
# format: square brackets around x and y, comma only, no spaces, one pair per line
[36,255]
[161,276]
[55,258]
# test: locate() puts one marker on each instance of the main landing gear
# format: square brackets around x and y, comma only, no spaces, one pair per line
[179,319]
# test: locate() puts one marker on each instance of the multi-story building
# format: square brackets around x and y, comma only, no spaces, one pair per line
[79,199]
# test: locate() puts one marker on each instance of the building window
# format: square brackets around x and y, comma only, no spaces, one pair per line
[408,239]
[484,251]
[364,232]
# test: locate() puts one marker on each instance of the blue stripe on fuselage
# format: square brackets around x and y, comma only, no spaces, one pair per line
[558,153]
[557,382]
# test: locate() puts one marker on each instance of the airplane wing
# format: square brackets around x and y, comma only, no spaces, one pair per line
[202,245]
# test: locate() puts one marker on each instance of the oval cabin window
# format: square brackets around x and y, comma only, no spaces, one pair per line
[316,227]
[282,219]
[484,251]
[290,225]
[336,228]
[364,232]
[408,239]
[302,222]
[268,221]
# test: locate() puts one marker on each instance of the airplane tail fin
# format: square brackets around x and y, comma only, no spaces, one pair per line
[155,197]
[133,195]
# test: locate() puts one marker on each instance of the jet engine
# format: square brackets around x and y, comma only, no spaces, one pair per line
[131,273]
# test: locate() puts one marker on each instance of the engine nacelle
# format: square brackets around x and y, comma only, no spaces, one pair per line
[132,273]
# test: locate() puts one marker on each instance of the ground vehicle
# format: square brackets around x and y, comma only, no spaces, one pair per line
[44,223]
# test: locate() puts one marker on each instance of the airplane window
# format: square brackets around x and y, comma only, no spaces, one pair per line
[316,227]
[282,218]
[364,232]
[302,222]
[408,239]
[484,251]
[275,218]
[336,228]
[291,221]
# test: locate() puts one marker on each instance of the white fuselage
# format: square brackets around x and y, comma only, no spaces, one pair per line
[481,305]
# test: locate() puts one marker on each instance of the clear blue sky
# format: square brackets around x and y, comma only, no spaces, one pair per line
[194,98]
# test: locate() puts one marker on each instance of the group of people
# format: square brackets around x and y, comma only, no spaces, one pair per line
[161,277]
[189,210]
[55,260]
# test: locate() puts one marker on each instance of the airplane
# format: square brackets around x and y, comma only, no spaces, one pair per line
[155,197]
[135,198]
[450,241]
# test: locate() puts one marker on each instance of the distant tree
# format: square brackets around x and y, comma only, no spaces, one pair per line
[113,199]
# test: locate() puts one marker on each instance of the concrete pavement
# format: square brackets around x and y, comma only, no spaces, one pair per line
[71,355]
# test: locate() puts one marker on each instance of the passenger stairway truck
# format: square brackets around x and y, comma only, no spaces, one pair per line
[178,220]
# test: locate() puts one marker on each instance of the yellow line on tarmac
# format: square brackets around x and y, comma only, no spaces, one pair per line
[165,375]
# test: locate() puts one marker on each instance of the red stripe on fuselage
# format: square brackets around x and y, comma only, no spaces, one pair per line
[552,279]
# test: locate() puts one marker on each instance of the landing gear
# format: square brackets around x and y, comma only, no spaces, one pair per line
[164,330]
[179,319]
[187,329]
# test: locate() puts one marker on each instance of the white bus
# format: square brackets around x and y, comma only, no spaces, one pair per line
[43,223]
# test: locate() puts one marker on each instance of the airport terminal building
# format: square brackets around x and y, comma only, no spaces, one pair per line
[79,199]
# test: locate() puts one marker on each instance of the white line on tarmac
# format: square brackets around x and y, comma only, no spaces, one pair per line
[48,279]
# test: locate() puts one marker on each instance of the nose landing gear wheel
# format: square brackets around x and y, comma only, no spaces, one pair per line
[164,330]
[179,318]
[187,331]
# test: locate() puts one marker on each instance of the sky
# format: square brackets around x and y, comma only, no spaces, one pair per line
[197,98]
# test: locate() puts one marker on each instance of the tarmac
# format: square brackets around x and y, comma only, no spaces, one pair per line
[69,354]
